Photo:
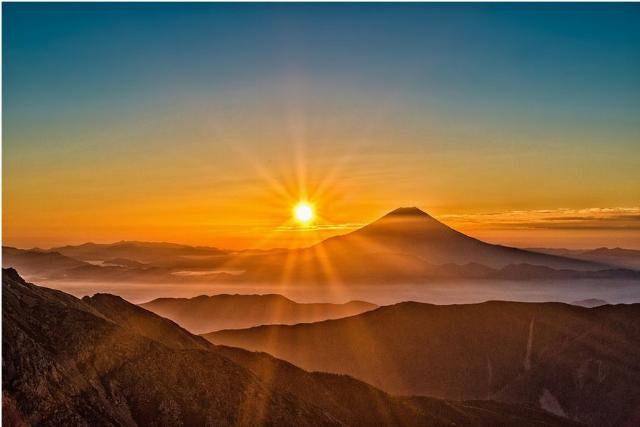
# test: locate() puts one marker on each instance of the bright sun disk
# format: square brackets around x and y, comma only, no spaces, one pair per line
[303,212]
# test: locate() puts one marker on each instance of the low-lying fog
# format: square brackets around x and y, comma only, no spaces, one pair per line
[612,291]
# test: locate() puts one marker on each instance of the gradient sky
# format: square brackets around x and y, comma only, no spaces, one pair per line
[205,123]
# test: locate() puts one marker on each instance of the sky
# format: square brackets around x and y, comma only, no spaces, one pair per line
[206,123]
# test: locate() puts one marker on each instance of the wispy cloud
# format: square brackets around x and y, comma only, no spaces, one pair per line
[619,218]
[321,227]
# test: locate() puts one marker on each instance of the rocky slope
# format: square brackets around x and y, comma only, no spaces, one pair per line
[102,361]
[578,362]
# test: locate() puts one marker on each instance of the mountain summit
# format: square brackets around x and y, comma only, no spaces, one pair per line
[409,211]
[411,224]
[411,231]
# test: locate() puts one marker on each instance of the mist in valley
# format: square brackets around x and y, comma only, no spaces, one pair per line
[437,292]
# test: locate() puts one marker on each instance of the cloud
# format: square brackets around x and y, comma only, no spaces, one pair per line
[619,218]
[320,227]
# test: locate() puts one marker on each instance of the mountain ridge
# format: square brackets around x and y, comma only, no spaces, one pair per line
[104,361]
[206,313]
[579,362]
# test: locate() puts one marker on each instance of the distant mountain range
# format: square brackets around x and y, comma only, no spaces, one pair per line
[616,257]
[573,361]
[103,361]
[156,254]
[41,265]
[210,313]
[405,246]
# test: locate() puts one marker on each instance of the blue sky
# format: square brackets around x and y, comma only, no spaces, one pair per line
[545,52]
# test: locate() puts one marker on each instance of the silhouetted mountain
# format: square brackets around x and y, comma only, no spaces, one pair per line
[411,231]
[156,254]
[103,361]
[516,272]
[615,257]
[36,263]
[583,363]
[590,302]
[539,272]
[210,313]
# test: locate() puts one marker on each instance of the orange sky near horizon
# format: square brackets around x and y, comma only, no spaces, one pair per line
[237,193]
[265,236]
[234,187]
[262,218]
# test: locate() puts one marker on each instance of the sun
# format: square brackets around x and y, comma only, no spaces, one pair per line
[303,213]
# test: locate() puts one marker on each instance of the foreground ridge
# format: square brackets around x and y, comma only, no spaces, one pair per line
[104,361]
[583,363]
